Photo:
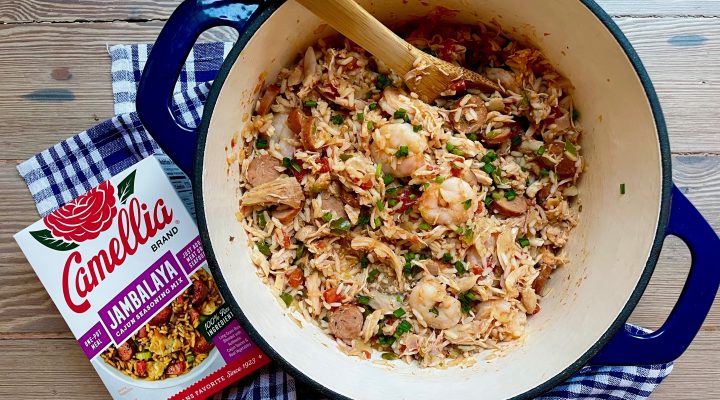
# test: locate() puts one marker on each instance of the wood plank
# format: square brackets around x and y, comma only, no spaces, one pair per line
[47,369]
[24,11]
[41,107]
[19,11]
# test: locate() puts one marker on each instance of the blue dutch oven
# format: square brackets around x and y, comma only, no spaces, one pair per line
[613,250]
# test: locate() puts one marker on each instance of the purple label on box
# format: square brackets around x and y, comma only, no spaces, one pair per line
[94,341]
[143,298]
[232,342]
[192,256]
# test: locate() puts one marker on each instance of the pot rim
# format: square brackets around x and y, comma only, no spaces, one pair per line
[666,189]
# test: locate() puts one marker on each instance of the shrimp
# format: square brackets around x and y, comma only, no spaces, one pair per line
[432,302]
[452,202]
[393,138]
[283,137]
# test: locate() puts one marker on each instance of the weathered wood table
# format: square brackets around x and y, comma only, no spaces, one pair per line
[55,81]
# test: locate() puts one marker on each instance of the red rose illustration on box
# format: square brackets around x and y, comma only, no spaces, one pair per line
[86,217]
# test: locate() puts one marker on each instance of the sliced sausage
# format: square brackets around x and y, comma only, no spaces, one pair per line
[501,135]
[176,368]
[143,332]
[126,350]
[346,322]
[202,345]
[267,99]
[295,120]
[286,214]
[141,368]
[333,204]
[543,193]
[200,291]
[262,169]
[348,198]
[162,317]
[539,282]
[309,136]
[566,167]
[463,125]
[510,208]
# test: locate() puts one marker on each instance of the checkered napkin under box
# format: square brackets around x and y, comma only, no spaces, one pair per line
[70,168]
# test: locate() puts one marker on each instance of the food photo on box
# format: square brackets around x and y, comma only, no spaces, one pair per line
[359,200]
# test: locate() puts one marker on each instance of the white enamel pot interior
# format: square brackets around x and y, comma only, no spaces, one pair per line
[609,250]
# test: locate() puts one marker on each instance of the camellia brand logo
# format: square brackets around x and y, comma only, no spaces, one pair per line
[84,219]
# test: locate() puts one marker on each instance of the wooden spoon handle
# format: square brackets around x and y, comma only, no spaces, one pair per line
[348,18]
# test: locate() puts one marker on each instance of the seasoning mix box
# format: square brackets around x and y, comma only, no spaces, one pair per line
[125,266]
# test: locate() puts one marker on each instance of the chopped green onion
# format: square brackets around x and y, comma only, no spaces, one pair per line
[473,136]
[468,236]
[337,119]
[363,219]
[378,221]
[299,250]
[523,242]
[373,106]
[570,151]
[190,359]
[372,275]
[387,179]
[497,195]
[489,157]
[400,114]
[203,318]
[460,267]
[264,248]
[516,140]
[424,226]
[380,205]
[417,128]
[292,164]
[510,195]
[434,311]
[389,356]
[493,133]
[145,355]
[489,168]
[346,157]
[426,185]
[439,179]
[467,204]
[622,188]
[391,191]
[382,82]
[544,172]
[386,340]
[540,151]
[378,170]
[392,202]
[402,328]
[450,147]
[371,126]
[364,300]
[327,217]
[364,261]
[447,257]
[470,296]
[310,103]
[399,312]
[287,298]
[403,151]
[340,225]
[261,143]
[360,117]
[262,222]
[488,200]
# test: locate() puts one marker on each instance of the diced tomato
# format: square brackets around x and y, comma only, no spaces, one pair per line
[458,86]
[407,202]
[366,185]
[141,368]
[299,175]
[331,296]
[295,278]
[324,164]
[390,320]
[286,240]
[476,270]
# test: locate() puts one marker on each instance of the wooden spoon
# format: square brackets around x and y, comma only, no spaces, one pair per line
[423,74]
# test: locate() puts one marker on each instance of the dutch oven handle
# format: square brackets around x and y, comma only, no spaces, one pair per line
[165,62]
[674,336]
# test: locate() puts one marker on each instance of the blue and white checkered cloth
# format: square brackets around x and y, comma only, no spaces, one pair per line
[72,167]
